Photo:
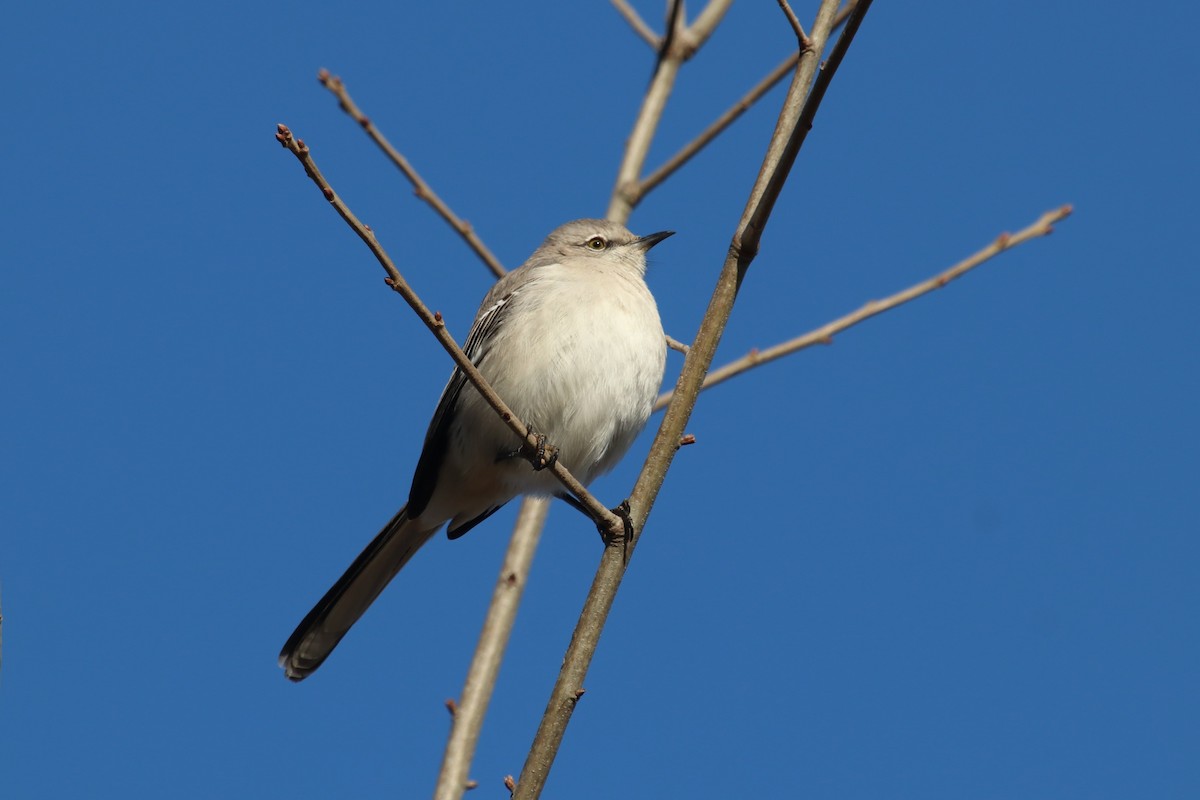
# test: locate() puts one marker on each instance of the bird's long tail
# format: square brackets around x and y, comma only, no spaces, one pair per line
[321,630]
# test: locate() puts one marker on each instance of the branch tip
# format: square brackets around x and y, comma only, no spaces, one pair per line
[677,345]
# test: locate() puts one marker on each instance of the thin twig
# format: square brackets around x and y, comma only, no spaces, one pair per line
[610,521]
[677,345]
[637,23]
[779,159]
[637,191]
[338,88]
[493,639]
[801,36]
[703,26]
[824,334]
[637,146]
[718,126]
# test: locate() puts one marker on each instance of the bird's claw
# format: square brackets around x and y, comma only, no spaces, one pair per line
[623,538]
[543,455]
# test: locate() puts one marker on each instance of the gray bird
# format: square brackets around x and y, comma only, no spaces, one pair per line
[572,341]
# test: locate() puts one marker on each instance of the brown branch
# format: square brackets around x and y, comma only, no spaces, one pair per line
[703,26]
[824,334]
[422,189]
[610,521]
[801,36]
[718,126]
[493,639]
[682,45]
[675,344]
[637,23]
[779,159]
[636,192]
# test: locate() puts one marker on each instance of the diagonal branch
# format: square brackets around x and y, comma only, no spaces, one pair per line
[718,126]
[642,188]
[422,189]
[797,28]
[1044,226]
[637,23]
[603,517]
[705,23]
[678,47]
[493,639]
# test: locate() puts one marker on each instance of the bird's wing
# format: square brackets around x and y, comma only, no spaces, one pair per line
[487,322]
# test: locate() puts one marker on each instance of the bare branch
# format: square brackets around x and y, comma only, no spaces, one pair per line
[493,639]
[678,46]
[674,27]
[610,521]
[824,334]
[704,25]
[780,156]
[801,36]
[718,126]
[620,206]
[637,23]
[636,192]
[422,189]
[675,344]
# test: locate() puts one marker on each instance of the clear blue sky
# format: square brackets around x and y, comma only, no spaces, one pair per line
[953,555]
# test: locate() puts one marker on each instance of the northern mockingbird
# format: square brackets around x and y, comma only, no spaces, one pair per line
[571,340]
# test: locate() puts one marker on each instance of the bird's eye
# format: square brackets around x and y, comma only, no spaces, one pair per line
[596,243]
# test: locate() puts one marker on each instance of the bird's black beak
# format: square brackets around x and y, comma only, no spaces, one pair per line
[649,241]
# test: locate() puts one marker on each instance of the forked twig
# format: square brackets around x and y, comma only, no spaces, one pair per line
[801,36]
[638,190]
[637,23]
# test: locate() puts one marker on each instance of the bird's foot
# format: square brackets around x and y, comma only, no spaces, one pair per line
[625,536]
[542,455]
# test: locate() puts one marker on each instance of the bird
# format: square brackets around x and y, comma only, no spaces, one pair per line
[572,341]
